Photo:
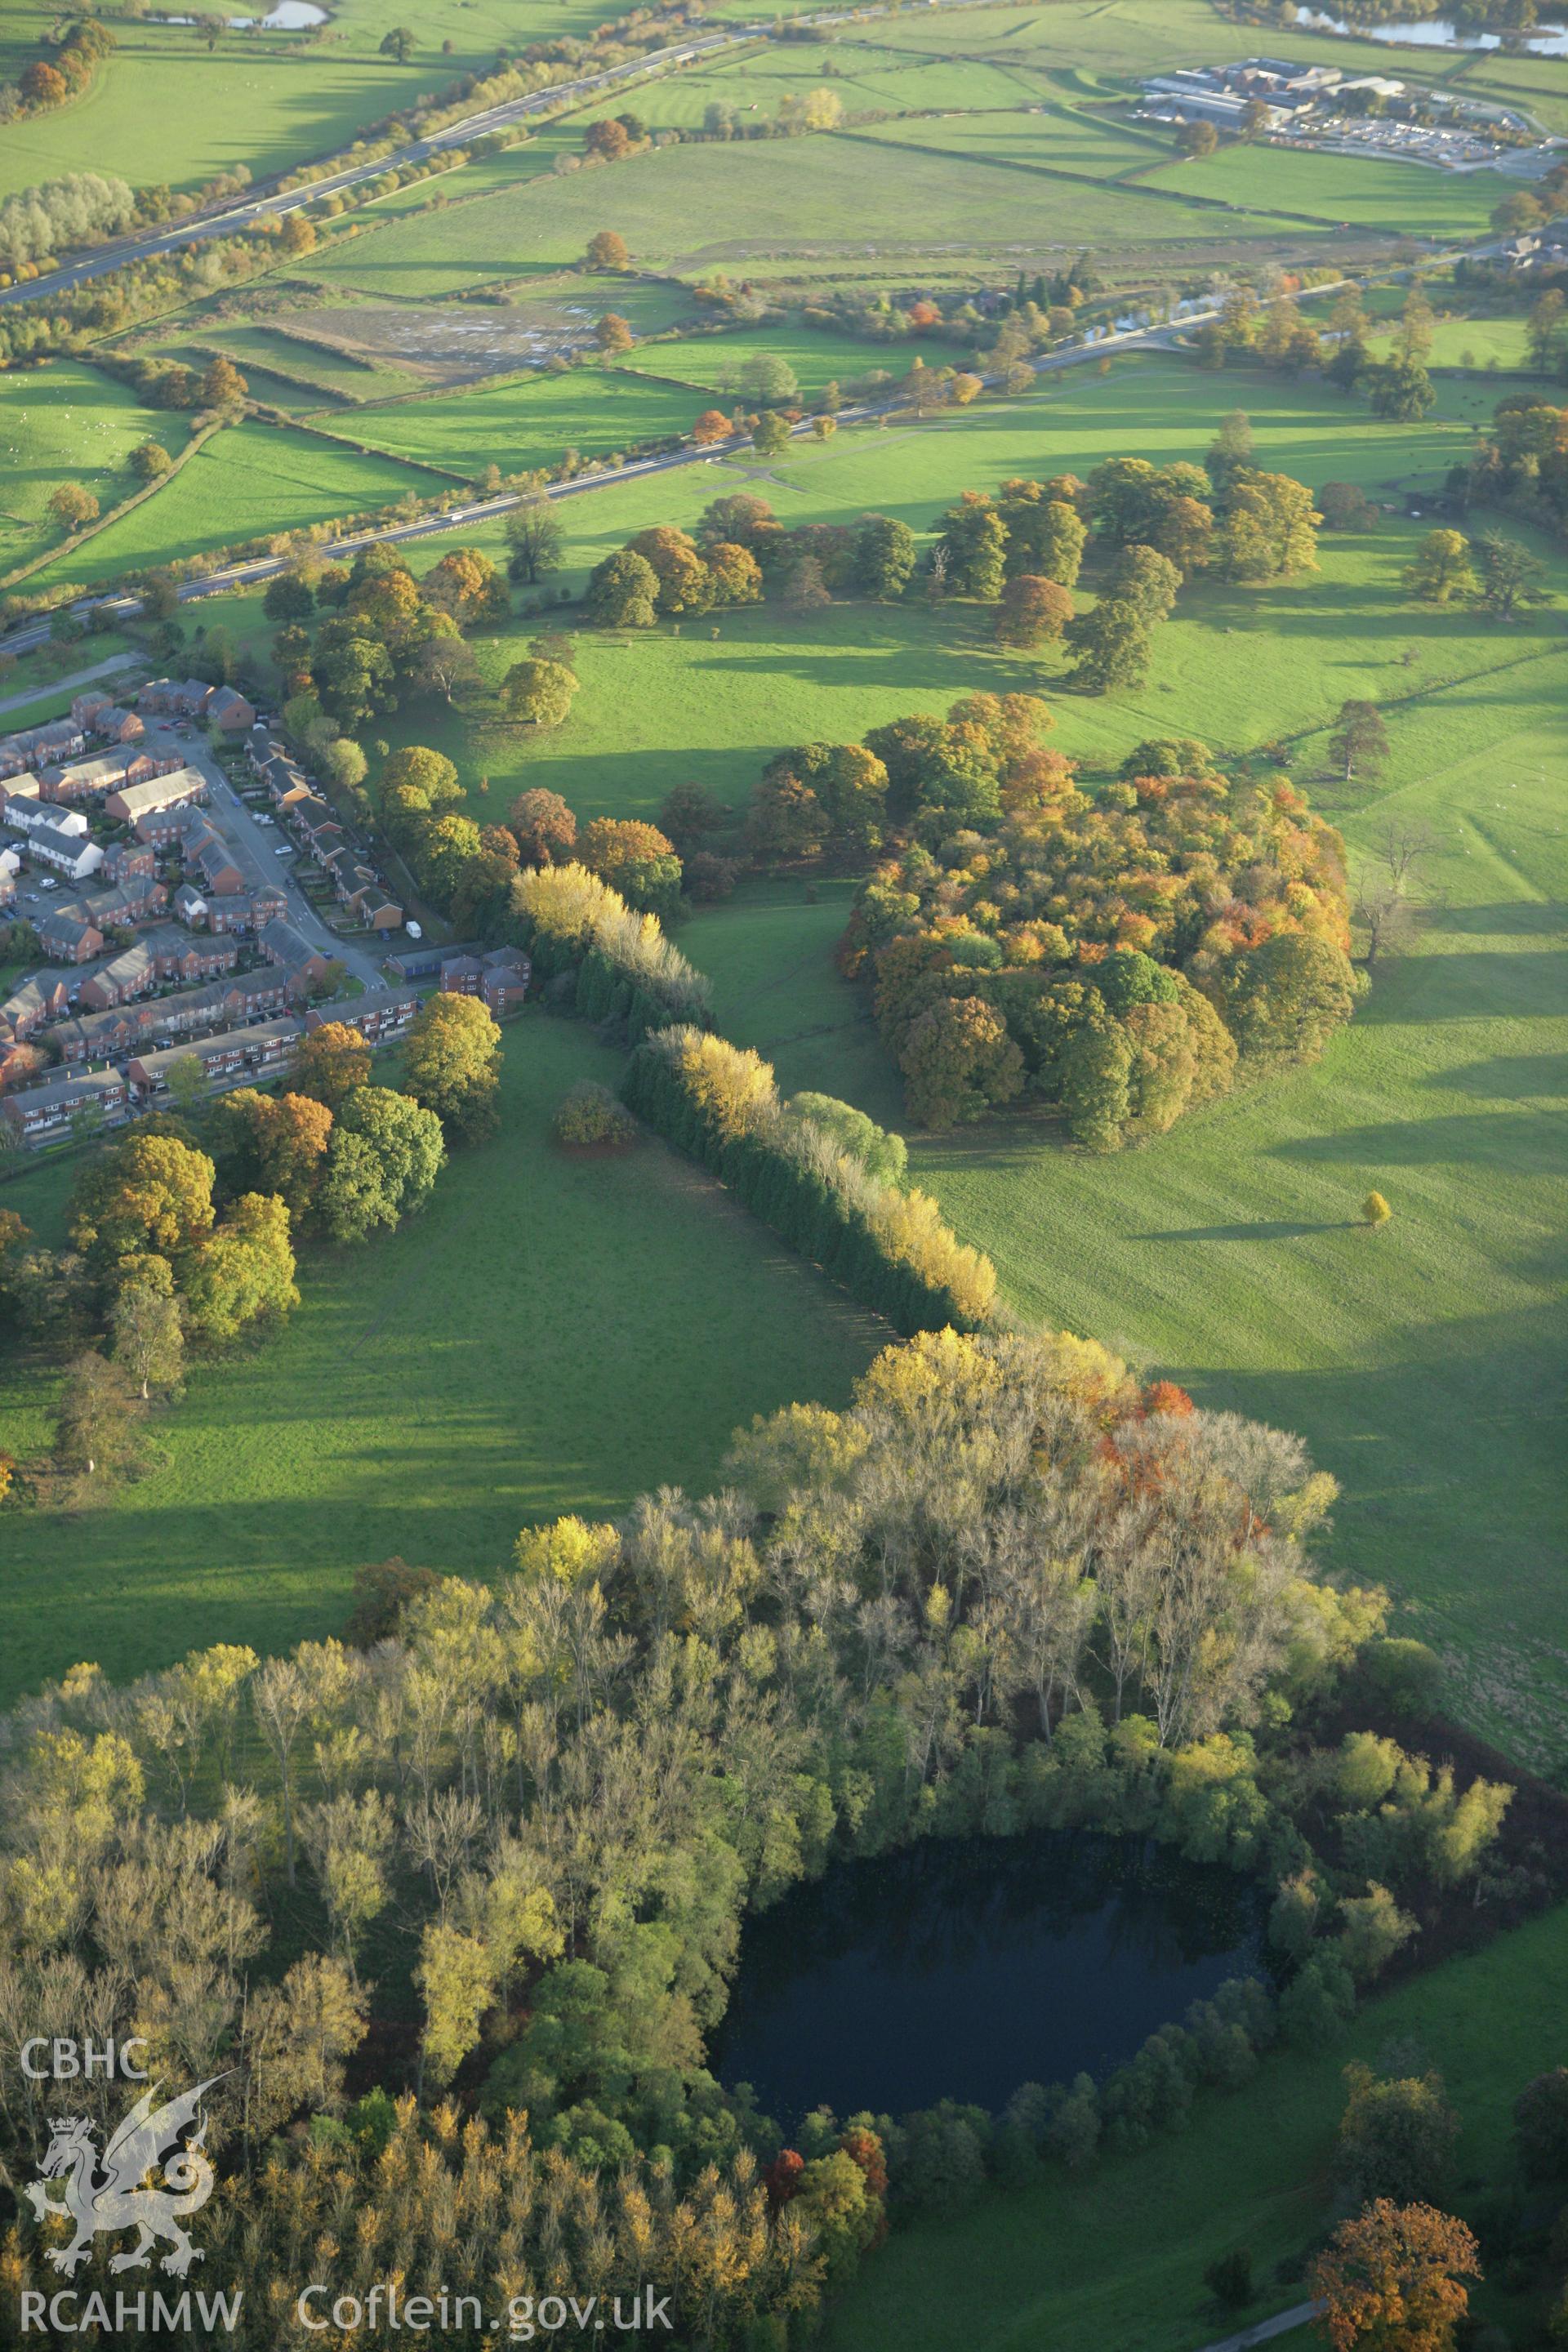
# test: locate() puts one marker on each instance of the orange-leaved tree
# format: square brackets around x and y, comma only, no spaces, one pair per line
[1389,2281]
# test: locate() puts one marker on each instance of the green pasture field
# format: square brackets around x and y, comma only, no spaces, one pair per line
[250,478]
[1099,45]
[551,1335]
[1114,2256]
[265,347]
[67,423]
[1055,138]
[1422,1362]
[1475,343]
[532,421]
[661,710]
[714,361]
[1397,198]
[1540,84]
[704,207]
[166,109]
[861,72]
[482,177]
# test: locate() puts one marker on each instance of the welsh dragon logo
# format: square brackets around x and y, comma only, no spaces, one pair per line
[112,2197]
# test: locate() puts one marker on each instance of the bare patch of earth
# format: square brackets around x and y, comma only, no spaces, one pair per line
[454,342]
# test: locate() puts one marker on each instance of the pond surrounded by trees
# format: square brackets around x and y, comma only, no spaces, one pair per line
[960,1968]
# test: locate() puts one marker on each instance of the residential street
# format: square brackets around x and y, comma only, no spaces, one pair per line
[234,816]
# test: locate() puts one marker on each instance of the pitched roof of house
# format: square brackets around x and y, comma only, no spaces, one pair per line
[287,946]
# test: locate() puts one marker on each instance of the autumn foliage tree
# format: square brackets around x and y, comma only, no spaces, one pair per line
[1392,2280]
[544,827]
[451,1064]
[331,1061]
[1032,609]
[636,859]
[538,693]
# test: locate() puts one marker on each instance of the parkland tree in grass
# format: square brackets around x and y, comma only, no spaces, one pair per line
[1396,2137]
[1345,506]
[1143,578]
[1544,330]
[1511,578]
[734,575]
[451,1064]
[685,581]
[1441,570]
[1360,740]
[466,585]
[607,250]
[145,1193]
[289,596]
[1269,528]
[1399,389]
[278,1143]
[1393,2276]
[1112,647]
[973,539]
[884,558]
[1541,2127]
[96,1418]
[1230,453]
[1375,1211]
[71,506]
[387,1153]
[623,593]
[536,538]
[247,1270]
[148,1325]
[1032,610]
[538,693]
[1045,535]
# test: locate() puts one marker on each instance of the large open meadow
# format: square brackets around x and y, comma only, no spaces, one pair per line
[552,1334]
[166,106]
[1424,1363]
[247,481]
[66,423]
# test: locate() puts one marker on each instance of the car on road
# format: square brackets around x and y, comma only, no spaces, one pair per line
[284,849]
[414,931]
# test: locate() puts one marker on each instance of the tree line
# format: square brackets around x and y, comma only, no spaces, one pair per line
[888,1246]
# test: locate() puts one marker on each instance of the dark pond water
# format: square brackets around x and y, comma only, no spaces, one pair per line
[964,1966]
